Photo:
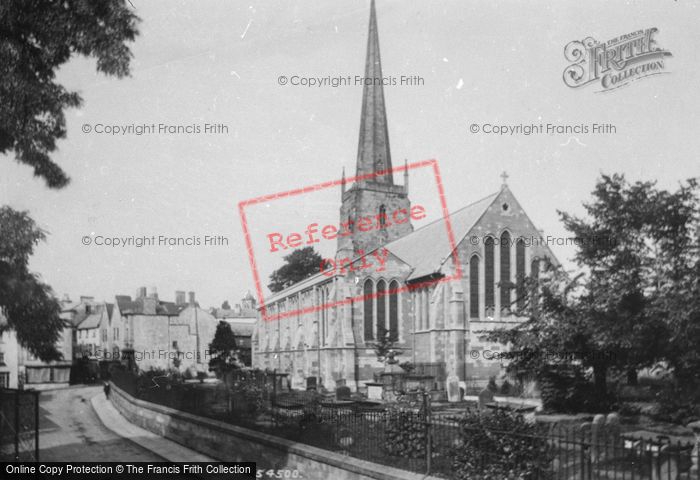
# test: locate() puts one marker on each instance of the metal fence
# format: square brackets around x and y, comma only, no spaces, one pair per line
[412,436]
[19,425]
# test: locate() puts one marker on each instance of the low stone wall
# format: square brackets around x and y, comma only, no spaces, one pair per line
[232,443]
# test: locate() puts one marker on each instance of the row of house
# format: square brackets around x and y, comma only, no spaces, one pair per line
[143,329]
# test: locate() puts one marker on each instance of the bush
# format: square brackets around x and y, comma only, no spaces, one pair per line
[405,434]
[566,389]
[678,404]
[492,385]
[506,388]
[501,445]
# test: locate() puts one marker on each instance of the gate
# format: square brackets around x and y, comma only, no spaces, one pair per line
[19,425]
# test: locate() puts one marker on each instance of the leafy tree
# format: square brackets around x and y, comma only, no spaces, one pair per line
[30,308]
[226,305]
[223,349]
[36,38]
[625,310]
[299,265]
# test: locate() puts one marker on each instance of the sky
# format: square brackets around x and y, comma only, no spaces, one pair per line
[200,63]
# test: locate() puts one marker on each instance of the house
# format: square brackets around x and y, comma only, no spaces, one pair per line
[242,318]
[163,335]
[93,332]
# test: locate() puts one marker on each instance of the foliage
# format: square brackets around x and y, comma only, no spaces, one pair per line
[408,367]
[226,305]
[678,404]
[30,308]
[564,388]
[299,265]
[405,434]
[385,344]
[492,385]
[223,349]
[501,445]
[37,38]
[635,300]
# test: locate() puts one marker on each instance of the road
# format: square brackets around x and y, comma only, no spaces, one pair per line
[71,431]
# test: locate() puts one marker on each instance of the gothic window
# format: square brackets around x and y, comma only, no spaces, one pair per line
[381,308]
[474,287]
[324,314]
[505,270]
[369,310]
[382,216]
[394,310]
[489,296]
[520,272]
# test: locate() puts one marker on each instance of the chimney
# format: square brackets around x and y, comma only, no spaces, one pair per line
[153,293]
[141,292]
[191,302]
[180,297]
[149,305]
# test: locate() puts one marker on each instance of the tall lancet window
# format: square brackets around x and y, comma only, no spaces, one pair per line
[369,310]
[394,310]
[505,271]
[474,287]
[520,272]
[381,308]
[489,292]
[382,216]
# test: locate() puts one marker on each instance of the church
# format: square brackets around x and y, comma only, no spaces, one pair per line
[438,326]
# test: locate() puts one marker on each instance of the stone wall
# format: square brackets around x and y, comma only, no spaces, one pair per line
[236,444]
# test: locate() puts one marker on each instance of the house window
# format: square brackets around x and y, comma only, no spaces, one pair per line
[489,296]
[2,358]
[94,333]
[381,309]
[505,271]
[474,287]
[175,344]
[394,311]
[520,272]
[369,310]
[4,380]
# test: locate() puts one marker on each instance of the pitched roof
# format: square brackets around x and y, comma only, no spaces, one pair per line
[427,248]
[223,313]
[91,321]
[127,306]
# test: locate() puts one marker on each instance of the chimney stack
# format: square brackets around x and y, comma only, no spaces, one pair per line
[180,297]
[153,293]
[191,295]
[141,292]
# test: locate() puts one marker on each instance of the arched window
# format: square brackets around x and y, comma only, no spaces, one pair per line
[382,216]
[520,272]
[381,309]
[394,311]
[489,295]
[505,270]
[535,269]
[474,287]
[369,310]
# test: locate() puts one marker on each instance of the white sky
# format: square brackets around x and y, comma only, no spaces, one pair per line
[199,62]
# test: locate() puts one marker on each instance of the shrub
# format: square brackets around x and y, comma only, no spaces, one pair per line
[492,385]
[501,445]
[506,388]
[405,434]
[566,389]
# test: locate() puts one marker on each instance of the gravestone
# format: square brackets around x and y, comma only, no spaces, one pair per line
[342,393]
[486,396]
[612,427]
[597,437]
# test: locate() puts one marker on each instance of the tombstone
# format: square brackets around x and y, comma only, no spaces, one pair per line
[695,455]
[486,396]
[311,383]
[453,394]
[597,436]
[342,393]
[612,427]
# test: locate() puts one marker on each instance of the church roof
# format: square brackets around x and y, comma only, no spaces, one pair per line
[427,248]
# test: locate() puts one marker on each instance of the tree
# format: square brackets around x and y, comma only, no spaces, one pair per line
[36,38]
[627,308]
[299,265]
[31,309]
[223,349]
[226,305]
[385,344]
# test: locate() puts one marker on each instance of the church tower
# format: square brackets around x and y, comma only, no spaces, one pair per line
[374,194]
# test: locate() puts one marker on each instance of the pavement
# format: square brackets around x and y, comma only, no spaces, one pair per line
[70,430]
[166,449]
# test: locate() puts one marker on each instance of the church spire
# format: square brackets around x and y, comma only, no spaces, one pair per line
[373,154]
